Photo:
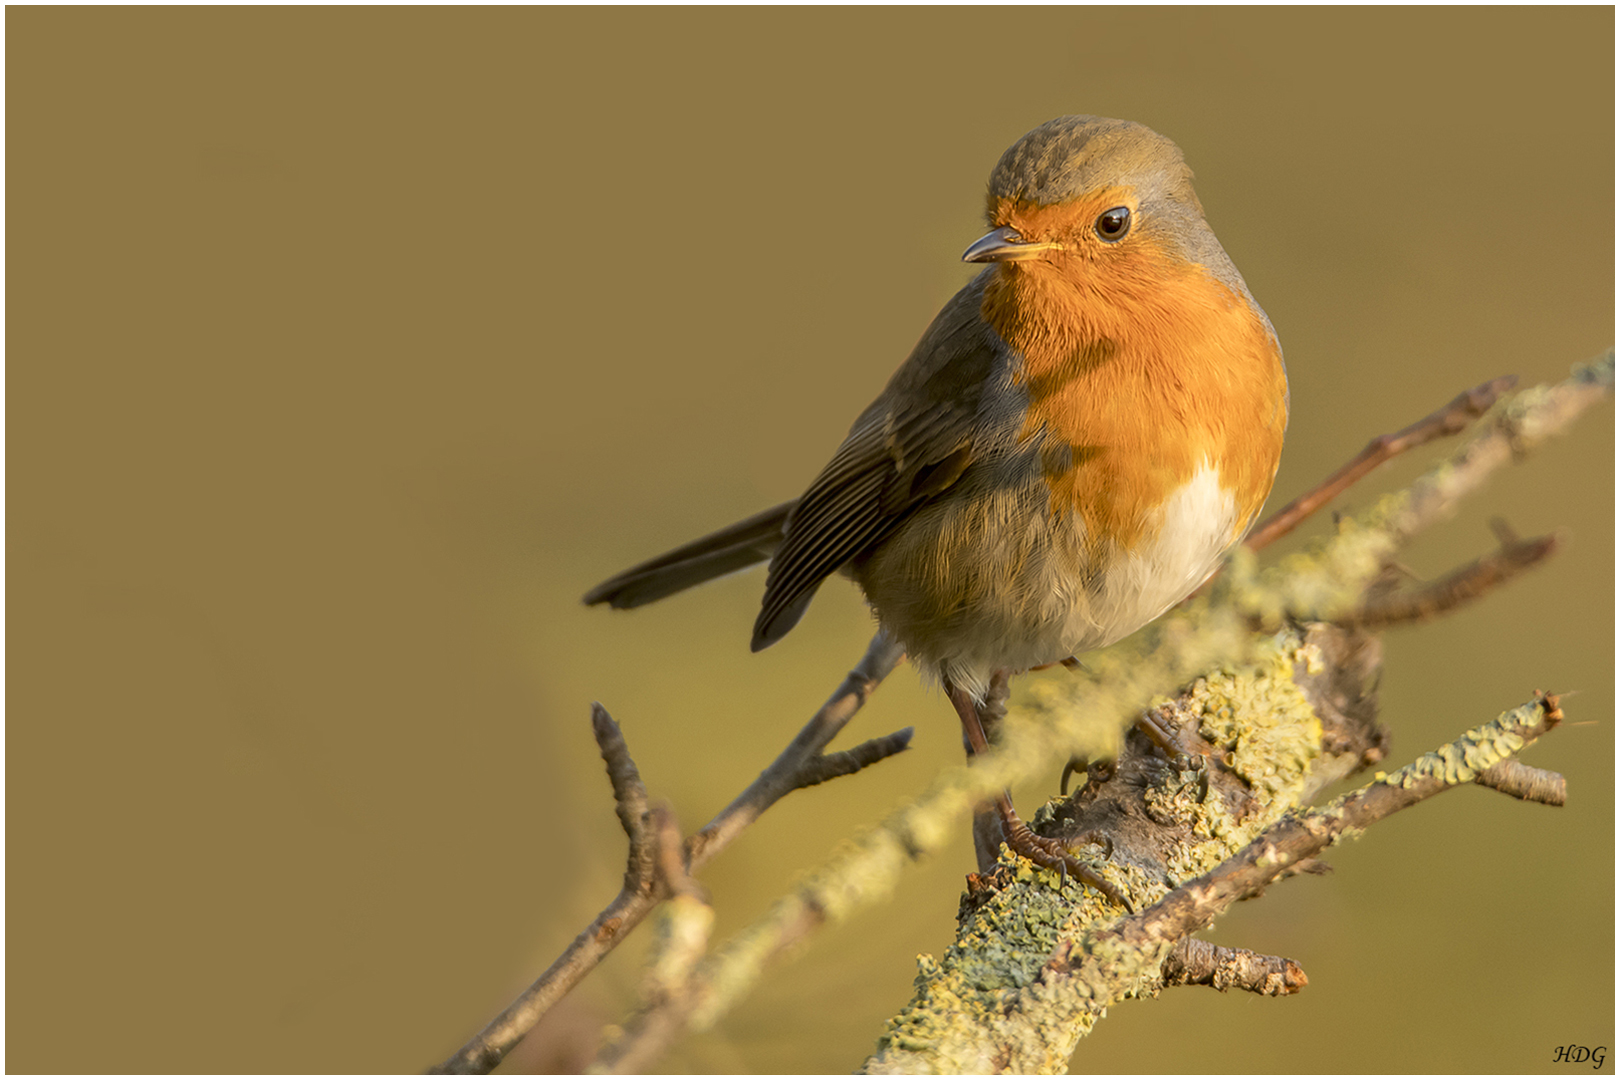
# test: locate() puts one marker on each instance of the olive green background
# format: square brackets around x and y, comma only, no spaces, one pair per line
[349,347]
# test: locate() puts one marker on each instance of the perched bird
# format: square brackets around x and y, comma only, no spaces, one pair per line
[1078,438]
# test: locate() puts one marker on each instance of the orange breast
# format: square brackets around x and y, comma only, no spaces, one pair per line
[1139,369]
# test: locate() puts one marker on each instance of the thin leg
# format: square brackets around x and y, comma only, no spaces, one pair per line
[987,831]
[987,836]
[1037,849]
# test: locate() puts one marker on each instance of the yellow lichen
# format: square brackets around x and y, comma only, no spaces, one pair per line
[1261,716]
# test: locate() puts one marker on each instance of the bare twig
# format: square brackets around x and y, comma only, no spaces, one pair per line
[1448,420]
[802,764]
[629,796]
[797,766]
[1515,427]
[669,855]
[1194,962]
[1456,588]
[682,939]
[830,766]
[635,899]
[1525,782]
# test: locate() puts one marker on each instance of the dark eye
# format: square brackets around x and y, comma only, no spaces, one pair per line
[1113,224]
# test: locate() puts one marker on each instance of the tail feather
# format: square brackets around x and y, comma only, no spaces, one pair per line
[733,548]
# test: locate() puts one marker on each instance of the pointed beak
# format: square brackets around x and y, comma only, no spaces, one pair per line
[1006,245]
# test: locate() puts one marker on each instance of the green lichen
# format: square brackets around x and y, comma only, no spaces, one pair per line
[1260,715]
[1471,753]
[1000,964]
[1324,581]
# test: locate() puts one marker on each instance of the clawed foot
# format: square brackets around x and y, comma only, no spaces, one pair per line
[1098,771]
[1049,853]
[1037,849]
[1158,731]
[1164,735]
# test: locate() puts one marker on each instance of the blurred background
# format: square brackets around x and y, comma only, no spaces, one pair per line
[349,347]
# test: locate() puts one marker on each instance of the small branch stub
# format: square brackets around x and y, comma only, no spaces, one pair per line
[1198,963]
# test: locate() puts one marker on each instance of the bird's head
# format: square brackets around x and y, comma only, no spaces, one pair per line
[1089,192]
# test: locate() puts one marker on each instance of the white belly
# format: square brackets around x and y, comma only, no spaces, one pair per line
[1000,583]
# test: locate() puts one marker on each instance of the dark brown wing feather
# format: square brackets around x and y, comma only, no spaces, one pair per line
[733,548]
[912,444]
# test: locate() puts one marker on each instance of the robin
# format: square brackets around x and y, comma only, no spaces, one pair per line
[1075,442]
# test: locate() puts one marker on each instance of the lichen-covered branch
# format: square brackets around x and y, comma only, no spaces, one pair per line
[1278,765]
[1012,994]
[1195,904]
[1031,971]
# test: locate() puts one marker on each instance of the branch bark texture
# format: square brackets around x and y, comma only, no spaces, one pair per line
[1032,971]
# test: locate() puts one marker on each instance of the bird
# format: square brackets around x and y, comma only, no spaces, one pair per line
[1075,442]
